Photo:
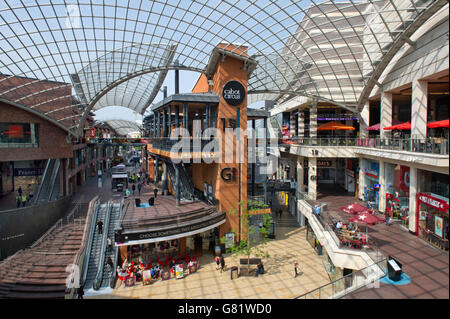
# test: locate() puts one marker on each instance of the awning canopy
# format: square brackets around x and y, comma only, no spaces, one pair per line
[367,218]
[333,126]
[438,124]
[376,127]
[402,127]
[354,208]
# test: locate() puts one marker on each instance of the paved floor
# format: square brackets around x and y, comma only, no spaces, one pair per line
[278,281]
[427,266]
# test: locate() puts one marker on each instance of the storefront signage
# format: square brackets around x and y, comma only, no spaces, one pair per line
[439,204]
[92,132]
[27,171]
[438,226]
[229,240]
[323,163]
[376,185]
[371,173]
[124,238]
[350,173]
[228,174]
[233,93]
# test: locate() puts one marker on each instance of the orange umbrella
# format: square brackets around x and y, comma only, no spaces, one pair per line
[333,125]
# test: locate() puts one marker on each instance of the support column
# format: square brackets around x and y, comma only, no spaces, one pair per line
[312,181]
[313,119]
[361,179]
[254,158]
[156,174]
[364,120]
[419,110]
[300,188]
[266,136]
[165,184]
[413,190]
[164,125]
[385,114]
[177,185]
[169,120]
[382,191]
[177,118]
[301,123]
[292,125]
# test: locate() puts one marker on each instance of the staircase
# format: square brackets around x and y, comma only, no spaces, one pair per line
[187,190]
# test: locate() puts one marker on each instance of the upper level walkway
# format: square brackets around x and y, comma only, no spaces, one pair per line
[427,266]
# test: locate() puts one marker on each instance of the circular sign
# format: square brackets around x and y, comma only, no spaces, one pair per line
[233,93]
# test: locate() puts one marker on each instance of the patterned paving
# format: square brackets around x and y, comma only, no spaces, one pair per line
[278,282]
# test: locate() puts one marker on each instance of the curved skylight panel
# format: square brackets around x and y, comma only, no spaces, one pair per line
[67,58]
[123,127]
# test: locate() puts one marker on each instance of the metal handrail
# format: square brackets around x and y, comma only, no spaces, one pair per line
[113,279]
[91,238]
[99,275]
[344,278]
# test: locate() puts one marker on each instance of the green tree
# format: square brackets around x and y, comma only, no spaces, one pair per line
[252,245]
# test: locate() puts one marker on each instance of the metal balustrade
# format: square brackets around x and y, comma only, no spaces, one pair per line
[439,146]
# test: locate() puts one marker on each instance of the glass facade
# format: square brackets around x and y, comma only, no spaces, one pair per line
[397,183]
[371,171]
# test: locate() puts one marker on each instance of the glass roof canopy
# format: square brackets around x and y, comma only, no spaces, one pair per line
[117,53]
[123,127]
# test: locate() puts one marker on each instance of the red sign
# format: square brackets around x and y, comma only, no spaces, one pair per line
[434,202]
[92,132]
[15,131]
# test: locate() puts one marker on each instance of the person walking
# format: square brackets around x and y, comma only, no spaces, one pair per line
[20,191]
[109,243]
[100,227]
[24,200]
[18,200]
[133,188]
[80,292]
[127,193]
[139,188]
[222,263]
[155,191]
[217,262]
[296,268]
[110,264]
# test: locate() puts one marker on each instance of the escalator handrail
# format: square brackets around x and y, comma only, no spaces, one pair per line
[101,261]
[90,240]
[112,281]
[44,175]
[54,177]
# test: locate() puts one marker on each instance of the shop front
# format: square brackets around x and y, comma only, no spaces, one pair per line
[432,222]
[397,192]
[326,171]
[371,171]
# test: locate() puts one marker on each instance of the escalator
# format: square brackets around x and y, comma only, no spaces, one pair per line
[49,187]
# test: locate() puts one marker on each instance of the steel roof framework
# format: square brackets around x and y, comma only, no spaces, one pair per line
[118,52]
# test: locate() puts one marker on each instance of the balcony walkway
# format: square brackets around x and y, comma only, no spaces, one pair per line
[427,266]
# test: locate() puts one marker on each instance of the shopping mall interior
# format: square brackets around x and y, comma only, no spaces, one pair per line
[214,150]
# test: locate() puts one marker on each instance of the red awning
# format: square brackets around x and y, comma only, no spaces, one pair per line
[403,126]
[437,124]
[354,208]
[376,127]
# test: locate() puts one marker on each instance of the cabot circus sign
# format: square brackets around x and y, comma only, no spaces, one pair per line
[233,93]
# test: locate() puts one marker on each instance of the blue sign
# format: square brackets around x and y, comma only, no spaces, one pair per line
[376,185]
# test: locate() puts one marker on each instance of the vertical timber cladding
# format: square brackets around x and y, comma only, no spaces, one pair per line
[227,192]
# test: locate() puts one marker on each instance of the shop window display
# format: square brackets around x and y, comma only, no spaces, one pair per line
[397,192]
[432,220]
[371,172]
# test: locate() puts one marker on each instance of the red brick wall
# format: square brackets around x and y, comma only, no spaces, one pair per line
[52,139]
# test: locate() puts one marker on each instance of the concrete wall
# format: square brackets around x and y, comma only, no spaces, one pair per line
[19,228]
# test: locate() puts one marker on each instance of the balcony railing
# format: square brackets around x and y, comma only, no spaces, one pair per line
[438,146]
[194,144]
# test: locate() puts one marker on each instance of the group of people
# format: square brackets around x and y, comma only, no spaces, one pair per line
[22,199]
[220,262]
